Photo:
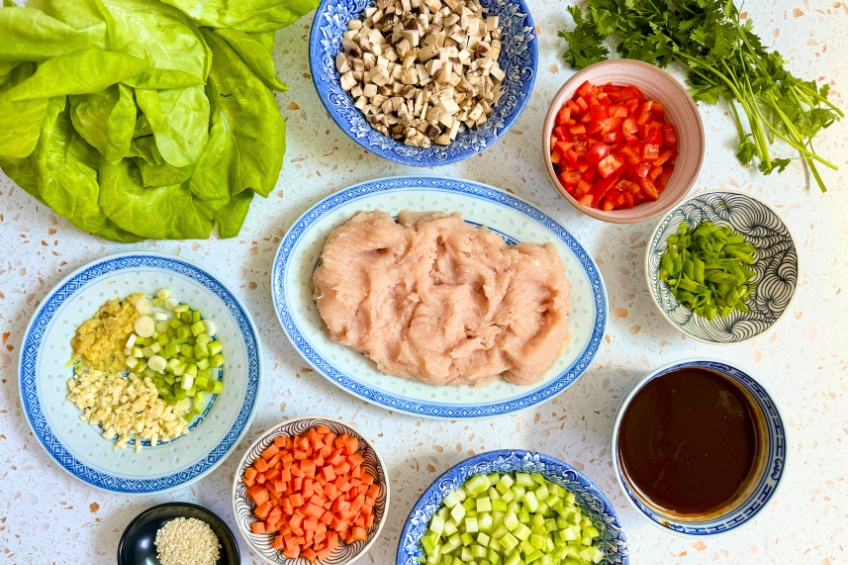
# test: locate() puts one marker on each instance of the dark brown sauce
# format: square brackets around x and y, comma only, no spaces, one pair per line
[688,441]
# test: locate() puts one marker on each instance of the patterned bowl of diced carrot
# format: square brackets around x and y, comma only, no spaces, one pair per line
[311,489]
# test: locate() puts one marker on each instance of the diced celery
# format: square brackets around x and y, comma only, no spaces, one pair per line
[509,542]
[485,522]
[523,480]
[478,552]
[513,559]
[466,539]
[522,532]
[458,513]
[437,525]
[483,539]
[499,505]
[484,504]
[510,521]
[531,501]
[452,499]
[471,525]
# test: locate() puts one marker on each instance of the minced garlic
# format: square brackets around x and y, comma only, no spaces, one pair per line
[127,408]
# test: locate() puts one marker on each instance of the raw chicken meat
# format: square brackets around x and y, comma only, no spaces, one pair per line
[434,299]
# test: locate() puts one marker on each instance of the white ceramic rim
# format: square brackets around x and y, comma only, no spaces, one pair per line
[648,252]
[600,214]
[616,425]
[238,301]
[265,434]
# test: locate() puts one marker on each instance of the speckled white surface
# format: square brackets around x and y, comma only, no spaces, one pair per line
[48,517]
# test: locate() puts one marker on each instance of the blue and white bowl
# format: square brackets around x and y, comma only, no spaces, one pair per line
[519,58]
[776,266]
[612,540]
[78,447]
[770,464]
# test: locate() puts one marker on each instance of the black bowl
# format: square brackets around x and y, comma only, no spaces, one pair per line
[137,545]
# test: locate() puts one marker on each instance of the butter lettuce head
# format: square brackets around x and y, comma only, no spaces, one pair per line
[141,119]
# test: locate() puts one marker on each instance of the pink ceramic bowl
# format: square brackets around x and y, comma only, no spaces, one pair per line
[680,110]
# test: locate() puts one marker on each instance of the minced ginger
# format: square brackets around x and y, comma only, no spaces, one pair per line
[99,342]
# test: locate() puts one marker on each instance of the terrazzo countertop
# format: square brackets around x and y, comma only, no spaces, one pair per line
[46,516]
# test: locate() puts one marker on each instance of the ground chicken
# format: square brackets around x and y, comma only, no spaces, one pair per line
[434,299]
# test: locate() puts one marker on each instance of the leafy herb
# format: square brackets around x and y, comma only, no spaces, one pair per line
[725,59]
[133,119]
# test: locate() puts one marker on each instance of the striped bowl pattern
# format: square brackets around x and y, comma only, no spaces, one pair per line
[776,266]
[262,544]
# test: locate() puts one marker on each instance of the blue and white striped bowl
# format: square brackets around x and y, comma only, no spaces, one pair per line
[79,448]
[596,505]
[776,266]
[771,464]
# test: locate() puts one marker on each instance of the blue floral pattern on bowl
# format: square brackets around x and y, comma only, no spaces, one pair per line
[519,58]
[599,509]
[776,265]
[772,472]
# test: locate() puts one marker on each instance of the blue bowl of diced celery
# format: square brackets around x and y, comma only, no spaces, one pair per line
[511,507]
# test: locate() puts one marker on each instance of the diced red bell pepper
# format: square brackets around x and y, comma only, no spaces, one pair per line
[601,187]
[582,165]
[650,152]
[583,187]
[581,103]
[618,111]
[665,157]
[609,165]
[599,112]
[562,133]
[596,153]
[670,135]
[655,136]
[577,130]
[585,89]
[570,178]
[563,115]
[642,169]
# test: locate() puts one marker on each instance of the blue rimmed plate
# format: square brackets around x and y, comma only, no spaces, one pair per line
[78,447]
[519,59]
[593,501]
[514,219]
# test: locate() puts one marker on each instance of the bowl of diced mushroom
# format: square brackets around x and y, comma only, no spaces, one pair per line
[424,82]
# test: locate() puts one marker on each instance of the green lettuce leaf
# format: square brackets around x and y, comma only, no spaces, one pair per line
[81,72]
[163,212]
[266,38]
[32,35]
[61,173]
[248,131]
[231,216]
[89,114]
[121,125]
[256,55]
[163,36]
[179,118]
[20,121]
[245,15]
[83,15]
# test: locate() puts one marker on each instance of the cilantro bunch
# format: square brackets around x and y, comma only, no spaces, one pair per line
[724,58]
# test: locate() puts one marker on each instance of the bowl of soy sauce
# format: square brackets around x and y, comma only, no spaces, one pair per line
[699,447]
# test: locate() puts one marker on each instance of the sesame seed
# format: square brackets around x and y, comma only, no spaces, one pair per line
[187,541]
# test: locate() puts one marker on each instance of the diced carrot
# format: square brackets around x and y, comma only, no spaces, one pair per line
[263,510]
[269,452]
[312,489]
[351,445]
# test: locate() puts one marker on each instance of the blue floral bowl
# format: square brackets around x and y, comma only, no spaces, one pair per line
[769,466]
[776,265]
[519,58]
[589,496]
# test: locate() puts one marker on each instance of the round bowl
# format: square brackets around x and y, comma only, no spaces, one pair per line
[79,447]
[770,465]
[680,110]
[519,58]
[596,505]
[776,266]
[138,547]
[243,508]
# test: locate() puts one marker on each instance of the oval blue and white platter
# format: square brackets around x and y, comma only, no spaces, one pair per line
[514,219]
[592,500]
[519,60]
[78,447]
